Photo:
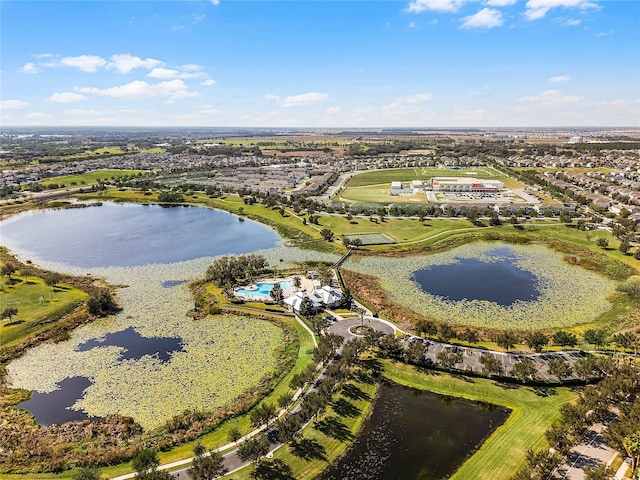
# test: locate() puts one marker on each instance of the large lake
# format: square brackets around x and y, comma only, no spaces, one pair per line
[413,434]
[151,361]
[129,234]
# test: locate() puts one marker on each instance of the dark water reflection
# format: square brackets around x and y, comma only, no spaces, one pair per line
[52,408]
[412,434]
[500,281]
[130,234]
[135,345]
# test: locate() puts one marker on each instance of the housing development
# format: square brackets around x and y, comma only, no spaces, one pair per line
[330,240]
[464,261]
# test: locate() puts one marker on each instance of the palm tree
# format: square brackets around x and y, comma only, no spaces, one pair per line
[361,316]
[631,445]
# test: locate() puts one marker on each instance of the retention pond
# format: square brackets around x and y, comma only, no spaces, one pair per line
[413,434]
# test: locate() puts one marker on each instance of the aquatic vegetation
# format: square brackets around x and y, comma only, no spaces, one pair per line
[222,357]
[569,295]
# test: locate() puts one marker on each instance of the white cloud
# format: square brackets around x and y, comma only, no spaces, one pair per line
[38,116]
[574,22]
[604,34]
[298,100]
[304,99]
[560,78]
[171,90]
[208,83]
[86,63]
[501,3]
[417,6]
[553,107]
[412,99]
[126,62]
[29,67]
[551,97]
[190,67]
[334,110]
[485,18]
[198,18]
[412,25]
[537,9]
[44,55]
[13,104]
[169,73]
[66,97]
[215,3]
[402,111]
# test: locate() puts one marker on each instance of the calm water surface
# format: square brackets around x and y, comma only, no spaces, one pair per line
[413,434]
[53,408]
[124,235]
[500,280]
[130,234]
[135,346]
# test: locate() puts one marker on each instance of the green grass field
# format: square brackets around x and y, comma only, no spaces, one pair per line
[89,178]
[333,448]
[373,186]
[37,308]
[400,229]
[504,451]
[378,194]
[377,177]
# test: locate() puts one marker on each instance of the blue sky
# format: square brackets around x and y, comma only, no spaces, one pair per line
[418,63]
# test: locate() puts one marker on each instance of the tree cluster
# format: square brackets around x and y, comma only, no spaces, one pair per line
[230,270]
[619,388]
[102,303]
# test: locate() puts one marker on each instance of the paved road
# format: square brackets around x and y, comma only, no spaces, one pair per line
[342,327]
[590,451]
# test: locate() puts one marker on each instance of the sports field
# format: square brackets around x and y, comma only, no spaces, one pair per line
[371,238]
[377,177]
[378,194]
[373,186]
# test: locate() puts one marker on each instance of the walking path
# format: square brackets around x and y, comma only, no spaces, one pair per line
[591,448]
[590,451]
[231,459]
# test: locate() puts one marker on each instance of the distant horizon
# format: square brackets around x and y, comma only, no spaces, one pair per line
[297,64]
[315,129]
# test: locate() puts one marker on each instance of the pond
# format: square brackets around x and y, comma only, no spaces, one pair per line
[496,278]
[128,234]
[492,285]
[413,434]
[151,361]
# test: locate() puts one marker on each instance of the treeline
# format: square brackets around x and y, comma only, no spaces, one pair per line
[619,389]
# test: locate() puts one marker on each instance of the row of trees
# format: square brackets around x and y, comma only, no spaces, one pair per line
[619,389]
[536,340]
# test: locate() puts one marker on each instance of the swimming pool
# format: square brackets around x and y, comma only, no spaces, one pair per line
[263,289]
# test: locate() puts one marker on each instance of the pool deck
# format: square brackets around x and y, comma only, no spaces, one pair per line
[306,284]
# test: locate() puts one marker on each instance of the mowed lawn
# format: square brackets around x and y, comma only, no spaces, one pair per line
[380,194]
[89,178]
[329,446]
[37,308]
[400,229]
[505,450]
[378,177]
